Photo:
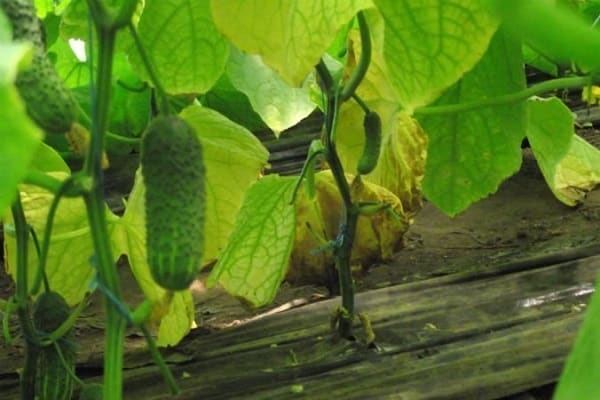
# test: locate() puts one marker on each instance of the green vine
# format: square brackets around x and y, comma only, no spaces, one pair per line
[534,90]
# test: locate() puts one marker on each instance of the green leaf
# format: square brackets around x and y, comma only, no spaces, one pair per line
[536,60]
[290,36]
[19,136]
[581,374]
[187,51]
[68,265]
[472,152]
[48,160]
[74,72]
[279,105]
[227,100]
[130,239]
[255,260]
[430,44]
[44,7]
[233,158]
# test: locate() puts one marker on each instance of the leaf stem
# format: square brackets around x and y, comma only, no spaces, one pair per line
[164,100]
[539,88]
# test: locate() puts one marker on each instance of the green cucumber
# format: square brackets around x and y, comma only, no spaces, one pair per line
[47,99]
[174,173]
[370,155]
[25,23]
[53,380]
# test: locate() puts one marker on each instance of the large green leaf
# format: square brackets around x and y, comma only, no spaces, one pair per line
[234,158]
[279,105]
[187,51]
[472,152]
[130,239]
[68,265]
[430,44]
[581,374]
[290,36]
[254,262]
[19,136]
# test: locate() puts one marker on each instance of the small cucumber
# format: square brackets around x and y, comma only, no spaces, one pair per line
[370,155]
[173,171]
[53,380]
[48,101]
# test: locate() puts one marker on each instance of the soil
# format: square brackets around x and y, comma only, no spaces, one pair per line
[522,219]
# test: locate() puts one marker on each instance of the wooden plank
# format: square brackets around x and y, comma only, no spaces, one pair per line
[482,334]
[477,339]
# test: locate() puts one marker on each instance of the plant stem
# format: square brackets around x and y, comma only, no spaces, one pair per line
[94,200]
[347,231]
[22,239]
[539,88]
[363,63]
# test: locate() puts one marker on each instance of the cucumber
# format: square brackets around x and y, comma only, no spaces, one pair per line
[48,101]
[370,155]
[173,172]
[53,380]
[25,23]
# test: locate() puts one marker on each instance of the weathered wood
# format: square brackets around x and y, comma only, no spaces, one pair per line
[463,336]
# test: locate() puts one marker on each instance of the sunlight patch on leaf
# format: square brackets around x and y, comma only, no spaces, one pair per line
[187,51]
[279,105]
[289,35]
[254,262]
[430,44]
[471,153]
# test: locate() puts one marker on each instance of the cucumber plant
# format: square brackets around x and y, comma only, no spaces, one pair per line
[399,109]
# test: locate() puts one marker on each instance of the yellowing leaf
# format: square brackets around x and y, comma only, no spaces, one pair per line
[290,36]
[591,94]
[253,264]
[318,221]
[577,173]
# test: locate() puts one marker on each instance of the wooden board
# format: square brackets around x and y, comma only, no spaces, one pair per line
[477,335]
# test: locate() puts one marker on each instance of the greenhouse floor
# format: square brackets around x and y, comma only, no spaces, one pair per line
[482,306]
